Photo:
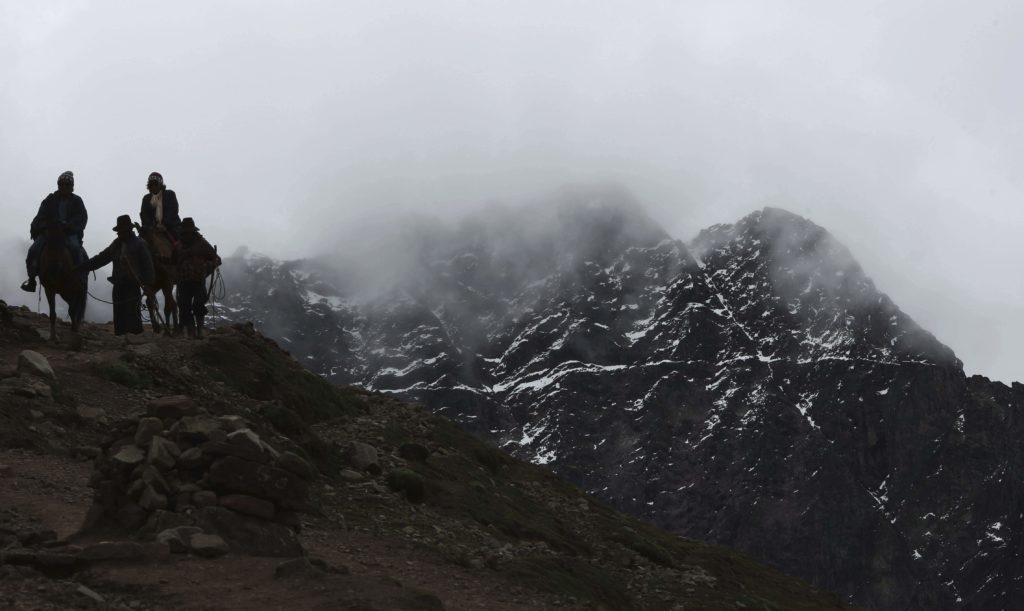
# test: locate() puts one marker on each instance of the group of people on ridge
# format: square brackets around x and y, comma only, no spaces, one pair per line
[133,263]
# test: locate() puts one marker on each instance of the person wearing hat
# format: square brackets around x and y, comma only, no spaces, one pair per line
[64,208]
[160,206]
[197,260]
[133,273]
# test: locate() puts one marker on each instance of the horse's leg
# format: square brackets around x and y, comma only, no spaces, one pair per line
[51,301]
[170,308]
[154,311]
[76,309]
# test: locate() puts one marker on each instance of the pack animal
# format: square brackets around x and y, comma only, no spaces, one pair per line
[161,246]
[58,277]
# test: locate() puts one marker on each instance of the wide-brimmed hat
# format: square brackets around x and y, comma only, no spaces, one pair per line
[124,222]
[187,224]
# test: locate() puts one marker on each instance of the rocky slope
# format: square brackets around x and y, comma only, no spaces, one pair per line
[156,473]
[751,387]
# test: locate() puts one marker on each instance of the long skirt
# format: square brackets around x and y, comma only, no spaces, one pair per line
[127,300]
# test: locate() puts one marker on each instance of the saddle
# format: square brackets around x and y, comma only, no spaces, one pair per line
[165,249]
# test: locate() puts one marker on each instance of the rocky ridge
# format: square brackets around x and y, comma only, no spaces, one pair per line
[751,387]
[392,507]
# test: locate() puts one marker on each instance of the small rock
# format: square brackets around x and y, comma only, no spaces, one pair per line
[152,477]
[53,559]
[191,458]
[18,556]
[174,407]
[248,505]
[207,546]
[36,536]
[93,596]
[31,363]
[204,498]
[247,443]
[112,550]
[147,429]
[348,475]
[151,500]
[91,413]
[297,567]
[414,451]
[129,456]
[232,423]
[144,349]
[38,415]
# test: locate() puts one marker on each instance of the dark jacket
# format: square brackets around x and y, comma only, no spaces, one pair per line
[197,259]
[171,219]
[132,263]
[58,208]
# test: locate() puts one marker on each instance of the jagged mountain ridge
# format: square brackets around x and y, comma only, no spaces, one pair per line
[751,388]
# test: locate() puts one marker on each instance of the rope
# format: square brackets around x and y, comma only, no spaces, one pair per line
[216,291]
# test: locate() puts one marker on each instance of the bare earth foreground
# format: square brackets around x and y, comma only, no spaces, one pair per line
[399,509]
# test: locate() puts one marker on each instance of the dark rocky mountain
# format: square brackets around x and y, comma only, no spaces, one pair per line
[751,388]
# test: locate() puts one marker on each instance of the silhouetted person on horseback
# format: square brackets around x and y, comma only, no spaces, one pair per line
[197,260]
[133,274]
[160,207]
[63,209]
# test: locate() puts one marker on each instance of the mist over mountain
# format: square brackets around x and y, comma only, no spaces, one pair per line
[751,387]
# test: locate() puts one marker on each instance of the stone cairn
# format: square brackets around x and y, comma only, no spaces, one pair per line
[199,483]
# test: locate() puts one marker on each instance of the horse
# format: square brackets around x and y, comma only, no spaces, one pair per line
[58,277]
[161,248]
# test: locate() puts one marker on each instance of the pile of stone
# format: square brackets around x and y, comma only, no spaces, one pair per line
[181,476]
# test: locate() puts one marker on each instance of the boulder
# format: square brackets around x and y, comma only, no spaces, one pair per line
[177,539]
[291,462]
[195,429]
[31,363]
[172,408]
[162,453]
[147,429]
[207,546]
[363,457]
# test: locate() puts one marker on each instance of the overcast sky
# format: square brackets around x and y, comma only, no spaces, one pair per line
[899,126]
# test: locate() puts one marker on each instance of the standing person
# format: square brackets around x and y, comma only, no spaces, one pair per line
[133,273]
[160,206]
[63,208]
[197,260]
